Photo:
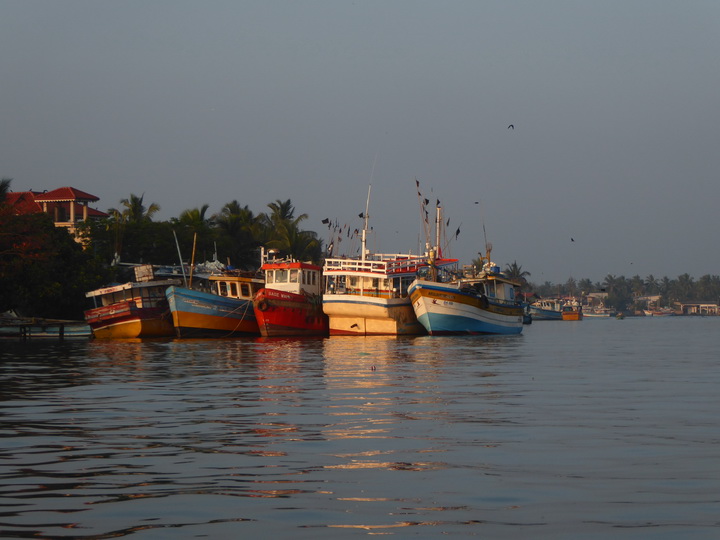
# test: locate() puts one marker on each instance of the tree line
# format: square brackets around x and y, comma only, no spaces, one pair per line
[627,293]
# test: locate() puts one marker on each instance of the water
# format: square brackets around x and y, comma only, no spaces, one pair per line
[592,429]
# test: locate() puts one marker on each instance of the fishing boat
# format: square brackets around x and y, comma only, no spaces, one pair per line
[477,302]
[659,312]
[136,309]
[290,304]
[222,309]
[598,312]
[572,311]
[368,295]
[546,309]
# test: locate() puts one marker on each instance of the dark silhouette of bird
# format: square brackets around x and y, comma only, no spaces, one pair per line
[572,239]
[511,126]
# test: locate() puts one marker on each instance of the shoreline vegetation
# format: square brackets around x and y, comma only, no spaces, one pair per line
[45,272]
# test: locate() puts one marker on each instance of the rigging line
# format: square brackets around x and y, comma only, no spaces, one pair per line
[240,320]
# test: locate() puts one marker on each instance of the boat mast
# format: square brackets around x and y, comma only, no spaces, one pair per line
[365,224]
[438,228]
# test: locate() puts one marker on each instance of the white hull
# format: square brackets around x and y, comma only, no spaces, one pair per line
[443,309]
[362,315]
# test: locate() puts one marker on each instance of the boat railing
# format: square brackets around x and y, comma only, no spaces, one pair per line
[379,263]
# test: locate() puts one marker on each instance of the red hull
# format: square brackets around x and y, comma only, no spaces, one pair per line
[280,313]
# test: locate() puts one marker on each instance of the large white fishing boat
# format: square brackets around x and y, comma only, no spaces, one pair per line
[368,295]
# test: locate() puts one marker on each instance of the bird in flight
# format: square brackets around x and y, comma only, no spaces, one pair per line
[511,126]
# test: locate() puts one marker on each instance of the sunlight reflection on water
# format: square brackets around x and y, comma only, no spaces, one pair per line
[591,429]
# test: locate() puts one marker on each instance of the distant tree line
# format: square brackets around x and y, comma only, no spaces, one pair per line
[44,272]
[626,293]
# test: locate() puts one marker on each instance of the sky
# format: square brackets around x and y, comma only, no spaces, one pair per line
[612,168]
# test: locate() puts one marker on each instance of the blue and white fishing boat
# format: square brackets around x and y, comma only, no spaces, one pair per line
[477,302]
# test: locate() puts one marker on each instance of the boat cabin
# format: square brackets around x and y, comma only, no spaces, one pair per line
[293,276]
[241,285]
[146,294]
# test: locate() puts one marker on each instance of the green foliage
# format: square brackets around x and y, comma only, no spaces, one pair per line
[44,272]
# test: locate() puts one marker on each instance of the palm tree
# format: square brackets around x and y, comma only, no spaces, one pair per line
[516,273]
[240,234]
[652,285]
[300,245]
[282,232]
[135,211]
[195,218]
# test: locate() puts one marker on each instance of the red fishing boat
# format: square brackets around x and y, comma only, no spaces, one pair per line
[291,302]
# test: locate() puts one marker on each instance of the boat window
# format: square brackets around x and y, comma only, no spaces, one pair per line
[304,277]
[293,276]
[314,277]
[233,289]
[353,281]
[222,288]
[281,276]
[269,276]
[245,290]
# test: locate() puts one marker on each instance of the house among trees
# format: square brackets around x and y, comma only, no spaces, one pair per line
[699,308]
[67,206]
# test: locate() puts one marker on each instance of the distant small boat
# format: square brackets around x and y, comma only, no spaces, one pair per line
[572,311]
[660,312]
[137,309]
[290,304]
[547,309]
[600,311]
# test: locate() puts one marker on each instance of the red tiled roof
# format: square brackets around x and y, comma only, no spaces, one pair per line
[23,202]
[66,194]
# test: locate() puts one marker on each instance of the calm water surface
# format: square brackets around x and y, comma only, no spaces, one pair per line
[592,429]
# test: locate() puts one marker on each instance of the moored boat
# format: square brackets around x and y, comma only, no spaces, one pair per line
[546,309]
[136,309]
[226,310]
[290,304]
[478,302]
[15,326]
[572,311]
[368,295]
[598,312]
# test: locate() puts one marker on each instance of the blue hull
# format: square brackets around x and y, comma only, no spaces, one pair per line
[200,314]
[439,325]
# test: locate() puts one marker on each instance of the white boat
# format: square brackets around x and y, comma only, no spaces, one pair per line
[477,302]
[482,303]
[368,295]
[598,312]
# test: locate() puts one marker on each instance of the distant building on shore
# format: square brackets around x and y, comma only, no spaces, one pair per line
[68,206]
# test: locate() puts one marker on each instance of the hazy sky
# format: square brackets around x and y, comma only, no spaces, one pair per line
[616,108]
